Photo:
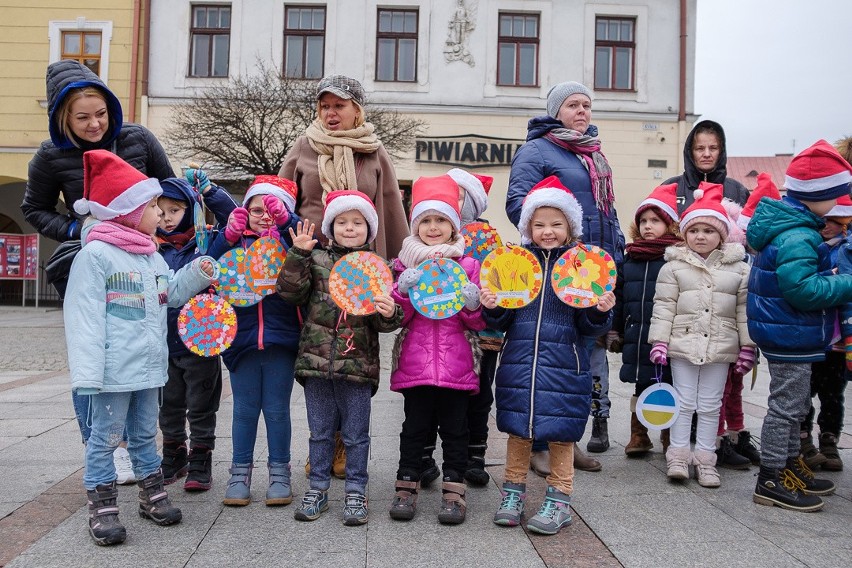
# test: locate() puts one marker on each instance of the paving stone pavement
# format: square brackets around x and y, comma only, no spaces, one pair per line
[626,515]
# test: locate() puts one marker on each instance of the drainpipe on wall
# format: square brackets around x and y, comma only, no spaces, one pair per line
[145,58]
[681,106]
[134,60]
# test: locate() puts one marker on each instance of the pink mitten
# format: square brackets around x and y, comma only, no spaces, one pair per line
[745,361]
[237,223]
[659,352]
[277,209]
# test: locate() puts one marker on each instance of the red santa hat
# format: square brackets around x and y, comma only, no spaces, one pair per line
[438,194]
[343,200]
[664,199]
[112,187]
[818,173]
[842,209]
[550,192]
[476,188]
[280,187]
[764,188]
[707,208]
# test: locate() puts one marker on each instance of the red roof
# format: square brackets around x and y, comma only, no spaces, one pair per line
[744,169]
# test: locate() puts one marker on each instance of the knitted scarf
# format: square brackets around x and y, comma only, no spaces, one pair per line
[177,239]
[651,249]
[588,148]
[414,251]
[335,160]
[123,237]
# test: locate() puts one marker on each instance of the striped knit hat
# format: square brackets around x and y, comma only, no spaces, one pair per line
[818,173]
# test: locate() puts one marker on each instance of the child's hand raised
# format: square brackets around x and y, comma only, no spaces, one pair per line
[303,238]
[207,268]
[606,302]
[384,305]
[488,298]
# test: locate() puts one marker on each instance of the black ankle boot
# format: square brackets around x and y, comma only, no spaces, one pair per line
[429,471]
[810,484]
[174,463]
[104,525]
[154,502]
[599,442]
[200,470]
[746,448]
[782,488]
[727,456]
[475,472]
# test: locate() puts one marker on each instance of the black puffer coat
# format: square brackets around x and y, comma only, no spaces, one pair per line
[57,167]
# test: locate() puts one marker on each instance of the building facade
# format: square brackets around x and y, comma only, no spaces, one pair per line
[475,71]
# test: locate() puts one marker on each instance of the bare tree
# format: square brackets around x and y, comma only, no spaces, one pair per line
[247,126]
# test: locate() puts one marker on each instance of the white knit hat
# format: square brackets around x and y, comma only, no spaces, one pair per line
[343,200]
[558,93]
[476,188]
[550,192]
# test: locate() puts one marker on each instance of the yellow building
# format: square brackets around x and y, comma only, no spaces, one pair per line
[106,35]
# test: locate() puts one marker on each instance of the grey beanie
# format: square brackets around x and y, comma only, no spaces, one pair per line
[558,93]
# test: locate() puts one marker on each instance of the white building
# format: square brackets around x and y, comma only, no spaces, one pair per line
[474,70]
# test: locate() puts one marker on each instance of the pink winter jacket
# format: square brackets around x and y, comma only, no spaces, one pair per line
[436,352]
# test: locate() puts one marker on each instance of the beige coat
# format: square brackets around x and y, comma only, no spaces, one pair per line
[376,178]
[700,306]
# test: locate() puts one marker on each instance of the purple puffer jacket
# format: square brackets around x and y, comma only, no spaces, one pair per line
[436,352]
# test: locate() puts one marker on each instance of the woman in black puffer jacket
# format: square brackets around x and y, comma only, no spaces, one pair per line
[83,115]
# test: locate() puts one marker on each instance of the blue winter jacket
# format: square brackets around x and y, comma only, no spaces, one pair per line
[272,321]
[221,204]
[544,384]
[539,158]
[792,296]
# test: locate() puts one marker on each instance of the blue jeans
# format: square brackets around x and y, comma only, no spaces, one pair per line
[112,413]
[82,407]
[262,380]
[600,375]
[329,403]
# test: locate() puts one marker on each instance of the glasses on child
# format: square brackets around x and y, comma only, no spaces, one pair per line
[258,212]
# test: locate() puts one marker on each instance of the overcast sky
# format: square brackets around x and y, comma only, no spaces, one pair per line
[775,71]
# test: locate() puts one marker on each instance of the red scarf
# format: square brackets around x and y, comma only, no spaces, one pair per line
[178,240]
[651,249]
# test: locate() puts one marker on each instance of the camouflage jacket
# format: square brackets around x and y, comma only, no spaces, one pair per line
[324,342]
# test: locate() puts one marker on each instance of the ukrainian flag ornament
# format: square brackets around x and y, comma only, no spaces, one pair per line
[657,407]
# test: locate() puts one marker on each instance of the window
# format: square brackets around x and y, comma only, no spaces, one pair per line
[396,50]
[517,50]
[615,46]
[84,47]
[304,42]
[210,41]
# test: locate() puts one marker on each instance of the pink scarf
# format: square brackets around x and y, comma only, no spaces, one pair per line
[588,149]
[123,237]
[414,251]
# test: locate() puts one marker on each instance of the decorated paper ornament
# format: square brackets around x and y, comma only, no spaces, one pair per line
[480,238]
[514,274]
[264,260]
[658,407]
[356,279]
[231,283]
[202,235]
[438,293]
[582,274]
[207,324]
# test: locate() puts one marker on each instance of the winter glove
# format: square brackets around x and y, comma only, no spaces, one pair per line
[198,178]
[470,293]
[745,361]
[277,209]
[659,352]
[237,223]
[407,279]
[614,342]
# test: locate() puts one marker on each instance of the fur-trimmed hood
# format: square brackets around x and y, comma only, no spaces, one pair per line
[728,253]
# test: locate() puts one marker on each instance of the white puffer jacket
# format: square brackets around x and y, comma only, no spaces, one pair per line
[700,305]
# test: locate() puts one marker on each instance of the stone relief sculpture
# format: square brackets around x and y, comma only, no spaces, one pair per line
[462,22]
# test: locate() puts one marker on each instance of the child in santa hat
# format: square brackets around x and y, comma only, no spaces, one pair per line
[792,296]
[699,323]
[338,361]
[195,383]
[544,381]
[434,360]
[654,229]
[115,310]
[263,353]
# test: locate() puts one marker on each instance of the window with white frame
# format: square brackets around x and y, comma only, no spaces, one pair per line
[615,48]
[304,42]
[210,40]
[83,40]
[517,50]
[396,45]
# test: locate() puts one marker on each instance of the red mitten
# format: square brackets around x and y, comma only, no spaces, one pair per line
[277,209]
[237,223]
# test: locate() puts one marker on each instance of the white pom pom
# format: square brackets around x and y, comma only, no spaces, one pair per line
[81,206]
[698,194]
